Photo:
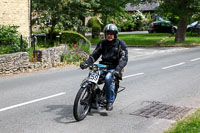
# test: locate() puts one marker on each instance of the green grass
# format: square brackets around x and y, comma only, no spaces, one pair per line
[143,39]
[139,39]
[151,40]
[190,41]
[190,124]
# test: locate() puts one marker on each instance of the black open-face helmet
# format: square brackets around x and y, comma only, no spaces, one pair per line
[110,28]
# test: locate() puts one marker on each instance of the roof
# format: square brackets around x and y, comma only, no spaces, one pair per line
[142,7]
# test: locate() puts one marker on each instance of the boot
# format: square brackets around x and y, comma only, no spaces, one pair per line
[109,106]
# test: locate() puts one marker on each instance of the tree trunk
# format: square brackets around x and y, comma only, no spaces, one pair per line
[80,29]
[51,32]
[181,31]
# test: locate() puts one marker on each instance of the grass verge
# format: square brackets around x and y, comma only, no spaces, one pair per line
[190,124]
[155,39]
[190,41]
[148,40]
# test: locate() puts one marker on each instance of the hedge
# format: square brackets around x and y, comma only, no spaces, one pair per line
[95,25]
[70,37]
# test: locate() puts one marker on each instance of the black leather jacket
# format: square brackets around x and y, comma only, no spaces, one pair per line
[113,53]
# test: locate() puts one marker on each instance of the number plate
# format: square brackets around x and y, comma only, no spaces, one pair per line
[94,77]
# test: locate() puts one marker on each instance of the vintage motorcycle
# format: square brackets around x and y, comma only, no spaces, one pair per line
[91,95]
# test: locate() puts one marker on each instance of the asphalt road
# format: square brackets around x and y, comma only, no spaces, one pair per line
[42,102]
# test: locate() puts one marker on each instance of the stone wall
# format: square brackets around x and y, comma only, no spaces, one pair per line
[20,62]
[50,57]
[16,12]
[14,63]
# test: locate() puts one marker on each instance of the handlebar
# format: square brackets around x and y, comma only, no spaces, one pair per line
[97,67]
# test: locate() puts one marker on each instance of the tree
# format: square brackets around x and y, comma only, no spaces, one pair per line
[184,9]
[61,14]
[109,9]
[48,13]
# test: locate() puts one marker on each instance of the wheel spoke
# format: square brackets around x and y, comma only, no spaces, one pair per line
[81,104]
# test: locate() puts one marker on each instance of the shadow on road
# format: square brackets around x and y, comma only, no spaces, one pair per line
[97,112]
[64,113]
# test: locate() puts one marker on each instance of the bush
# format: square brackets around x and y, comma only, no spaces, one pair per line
[96,27]
[75,54]
[10,40]
[8,35]
[127,26]
[138,18]
[70,37]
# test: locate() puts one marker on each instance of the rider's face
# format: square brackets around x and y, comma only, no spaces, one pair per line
[110,36]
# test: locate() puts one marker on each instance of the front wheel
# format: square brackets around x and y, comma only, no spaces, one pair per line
[116,87]
[82,104]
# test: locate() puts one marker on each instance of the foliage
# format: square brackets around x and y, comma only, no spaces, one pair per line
[42,43]
[149,18]
[78,45]
[128,22]
[70,14]
[124,22]
[10,40]
[8,35]
[127,26]
[186,9]
[74,55]
[5,49]
[61,14]
[92,21]
[139,19]
[183,9]
[96,29]
[195,17]
[190,124]
[70,37]
[110,9]
[172,18]
[95,25]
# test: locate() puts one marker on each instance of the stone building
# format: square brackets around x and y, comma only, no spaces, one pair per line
[16,12]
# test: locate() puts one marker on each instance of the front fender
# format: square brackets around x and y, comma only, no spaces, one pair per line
[85,84]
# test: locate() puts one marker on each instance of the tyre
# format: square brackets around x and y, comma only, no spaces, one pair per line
[82,104]
[116,87]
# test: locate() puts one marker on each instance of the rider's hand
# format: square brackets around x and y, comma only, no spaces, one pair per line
[83,65]
[117,74]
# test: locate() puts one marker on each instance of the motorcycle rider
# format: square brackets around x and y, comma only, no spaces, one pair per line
[114,54]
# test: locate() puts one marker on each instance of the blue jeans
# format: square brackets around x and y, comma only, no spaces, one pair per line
[110,93]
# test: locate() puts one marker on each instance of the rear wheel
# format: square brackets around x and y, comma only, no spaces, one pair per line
[82,104]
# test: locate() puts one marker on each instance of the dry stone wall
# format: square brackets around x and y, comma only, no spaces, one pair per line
[19,62]
[14,63]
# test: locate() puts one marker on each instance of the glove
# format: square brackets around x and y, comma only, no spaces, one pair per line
[117,74]
[83,65]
